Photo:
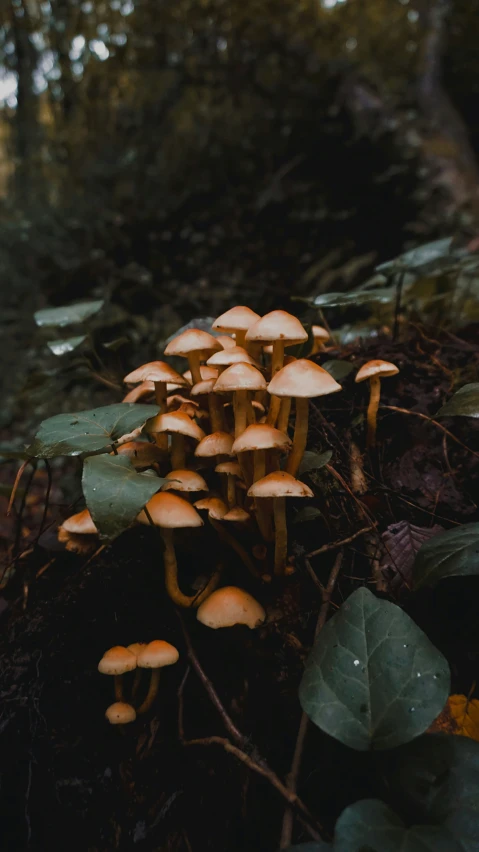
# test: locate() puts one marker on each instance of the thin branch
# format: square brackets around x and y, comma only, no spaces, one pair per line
[335,544]
[16,484]
[434,423]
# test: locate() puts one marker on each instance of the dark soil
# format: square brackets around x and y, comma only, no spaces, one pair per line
[68,780]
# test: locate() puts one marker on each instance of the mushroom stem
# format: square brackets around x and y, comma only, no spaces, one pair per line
[178,455]
[236,546]
[161,438]
[284,412]
[216,413]
[277,360]
[263,505]
[194,365]
[230,490]
[136,683]
[300,435]
[152,692]
[240,337]
[281,535]
[171,575]
[240,407]
[375,393]
[118,688]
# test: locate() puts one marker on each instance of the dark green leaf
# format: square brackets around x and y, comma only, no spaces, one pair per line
[464,403]
[370,826]
[88,431]
[453,553]
[417,258]
[67,314]
[373,679]
[62,347]
[115,492]
[354,297]
[338,369]
[309,513]
[314,461]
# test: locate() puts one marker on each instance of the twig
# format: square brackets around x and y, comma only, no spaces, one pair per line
[434,423]
[335,544]
[47,501]
[16,484]
[292,780]
[363,511]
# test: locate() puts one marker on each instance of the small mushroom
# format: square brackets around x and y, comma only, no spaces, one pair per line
[240,379]
[320,336]
[227,357]
[232,471]
[237,321]
[215,407]
[230,606]
[179,425]
[196,345]
[226,341]
[188,481]
[78,532]
[117,661]
[160,373]
[374,371]
[120,713]
[139,392]
[155,656]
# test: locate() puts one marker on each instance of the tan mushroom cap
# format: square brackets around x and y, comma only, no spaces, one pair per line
[376,368]
[136,647]
[120,713]
[279,484]
[229,606]
[170,511]
[278,325]
[226,342]
[117,661]
[302,378]
[193,340]
[175,421]
[176,400]
[81,524]
[240,377]
[215,507]
[154,371]
[184,480]
[239,318]
[216,444]
[141,453]
[204,387]
[260,436]
[237,514]
[226,357]
[230,467]
[141,390]
[320,334]
[157,654]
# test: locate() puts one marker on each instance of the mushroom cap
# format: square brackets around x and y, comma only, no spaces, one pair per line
[117,661]
[193,340]
[261,436]
[226,357]
[376,368]
[226,341]
[279,484]
[278,325]
[320,333]
[157,654]
[120,713]
[170,511]
[175,421]
[302,378]
[154,371]
[138,392]
[229,606]
[240,377]
[216,444]
[141,453]
[176,400]
[81,524]
[184,480]
[238,318]
[232,468]
[205,373]
[136,647]
[215,507]
[237,514]
[205,386]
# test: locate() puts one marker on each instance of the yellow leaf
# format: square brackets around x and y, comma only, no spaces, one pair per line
[460,716]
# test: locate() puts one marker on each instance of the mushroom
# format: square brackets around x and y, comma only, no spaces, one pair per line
[117,661]
[320,336]
[230,606]
[237,320]
[301,379]
[160,373]
[120,713]
[216,444]
[169,512]
[226,341]
[241,379]
[78,533]
[184,480]
[227,357]
[140,391]
[80,524]
[215,407]
[179,425]
[279,485]
[374,371]
[155,656]
[196,345]
[232,471]
[237,515]
[205,373]
[141,453]
[282,329]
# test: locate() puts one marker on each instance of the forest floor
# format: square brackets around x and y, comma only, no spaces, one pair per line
[71,781]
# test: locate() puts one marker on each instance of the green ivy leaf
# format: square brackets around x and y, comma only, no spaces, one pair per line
[309,513]
[370,826]
[88,431]
[421,258]
[354,297]
[338,369]
[314,461]
[373,679]
[454,553]
[115,492]
[69,344]
[464,403]
[67,314]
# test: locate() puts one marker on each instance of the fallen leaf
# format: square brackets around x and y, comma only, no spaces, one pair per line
[460,716]
[402,542]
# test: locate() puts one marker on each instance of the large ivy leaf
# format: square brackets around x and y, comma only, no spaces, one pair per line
[115,492]
[67,314]
[464,403]
[453,553]
[373,679]
[370,826]
[338,369]
[88,431]
[354,297]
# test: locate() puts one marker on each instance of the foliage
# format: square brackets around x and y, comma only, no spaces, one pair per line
[450,554]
